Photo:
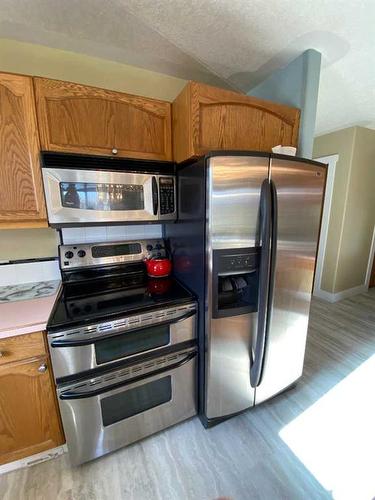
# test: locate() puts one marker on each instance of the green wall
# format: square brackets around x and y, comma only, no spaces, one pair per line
[352,216]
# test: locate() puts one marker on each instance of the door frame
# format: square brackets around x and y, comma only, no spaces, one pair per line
[331,162]
[371,258]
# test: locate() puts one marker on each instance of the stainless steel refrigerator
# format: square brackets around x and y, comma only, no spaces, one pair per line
[245,243]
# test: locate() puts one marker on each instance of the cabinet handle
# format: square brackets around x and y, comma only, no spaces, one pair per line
[42,368]
[114,151]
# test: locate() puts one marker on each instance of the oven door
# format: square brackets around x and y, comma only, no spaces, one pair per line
[87,348]
[95,196]
[103,414]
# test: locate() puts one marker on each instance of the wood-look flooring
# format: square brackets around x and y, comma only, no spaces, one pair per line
[247,457]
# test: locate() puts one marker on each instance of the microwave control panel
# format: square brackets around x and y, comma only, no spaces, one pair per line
[167,195]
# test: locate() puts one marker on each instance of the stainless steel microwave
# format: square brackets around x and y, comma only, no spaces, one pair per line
[95,190]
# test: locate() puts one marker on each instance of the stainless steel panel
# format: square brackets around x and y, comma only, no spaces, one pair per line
[75,359]
[234,193]
[228,369]
[232,209]
[87,437]
[57,214]
[300,188]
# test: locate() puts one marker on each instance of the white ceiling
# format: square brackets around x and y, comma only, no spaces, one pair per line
[233,43]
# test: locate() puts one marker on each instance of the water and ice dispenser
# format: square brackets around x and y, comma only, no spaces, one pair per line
[235,281]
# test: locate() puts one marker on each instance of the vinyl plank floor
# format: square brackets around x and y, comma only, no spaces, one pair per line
[292,447]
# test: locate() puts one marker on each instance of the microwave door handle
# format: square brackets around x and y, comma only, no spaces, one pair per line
[96,392]
[92,340]
[155,195]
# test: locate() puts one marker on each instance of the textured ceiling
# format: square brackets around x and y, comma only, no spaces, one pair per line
[233,43]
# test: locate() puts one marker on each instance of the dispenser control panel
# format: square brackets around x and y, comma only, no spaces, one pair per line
[240,262]
[235,281]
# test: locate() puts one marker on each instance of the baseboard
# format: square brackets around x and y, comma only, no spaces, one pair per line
[33,459]
[344,294]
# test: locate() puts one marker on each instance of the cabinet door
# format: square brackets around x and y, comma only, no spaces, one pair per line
[21,191]
[29,422]
[20,347]
[207,118]
[83,119]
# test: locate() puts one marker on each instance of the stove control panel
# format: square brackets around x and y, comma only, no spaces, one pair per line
[101,254]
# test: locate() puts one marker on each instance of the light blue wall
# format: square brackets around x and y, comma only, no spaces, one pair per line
[296,85]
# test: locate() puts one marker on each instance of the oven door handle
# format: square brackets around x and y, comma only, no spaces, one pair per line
[95,392]
[92,340]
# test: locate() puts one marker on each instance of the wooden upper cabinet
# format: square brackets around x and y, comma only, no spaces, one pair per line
[207,118]
[21,190]
[82,119]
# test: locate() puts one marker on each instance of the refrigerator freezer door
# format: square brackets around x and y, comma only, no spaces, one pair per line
[300,189]
[233,185]
[233,196]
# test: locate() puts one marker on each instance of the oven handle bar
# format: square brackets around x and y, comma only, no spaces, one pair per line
[92,340]
[95,392]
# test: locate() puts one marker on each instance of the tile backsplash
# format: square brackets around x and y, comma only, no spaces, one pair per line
[29,272]
[110,233]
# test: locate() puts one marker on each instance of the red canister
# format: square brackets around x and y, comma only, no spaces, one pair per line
[158,267]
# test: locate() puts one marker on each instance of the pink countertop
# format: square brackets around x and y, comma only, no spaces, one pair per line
[25,316]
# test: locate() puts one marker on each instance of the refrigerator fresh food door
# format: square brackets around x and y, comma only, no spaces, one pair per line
[299,188]
[233,200]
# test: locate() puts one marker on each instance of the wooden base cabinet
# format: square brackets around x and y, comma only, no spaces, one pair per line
[21,191]
[29,419]
[206,118]
[81,119]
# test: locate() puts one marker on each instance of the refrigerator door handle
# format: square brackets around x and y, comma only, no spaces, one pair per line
[264,282]
[274,218]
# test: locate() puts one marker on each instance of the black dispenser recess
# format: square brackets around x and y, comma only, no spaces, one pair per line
[235,281]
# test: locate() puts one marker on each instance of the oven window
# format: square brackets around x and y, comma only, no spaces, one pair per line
[134,401]
[131,343]
[91,196]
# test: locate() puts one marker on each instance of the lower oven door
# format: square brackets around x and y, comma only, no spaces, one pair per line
[103,414]
[83,349]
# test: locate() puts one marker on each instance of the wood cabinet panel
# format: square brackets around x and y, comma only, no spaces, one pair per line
[21,347]
[83,119]
[208,118]
[29,422]
[21,193]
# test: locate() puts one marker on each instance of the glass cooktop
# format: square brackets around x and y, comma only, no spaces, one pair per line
[103,299]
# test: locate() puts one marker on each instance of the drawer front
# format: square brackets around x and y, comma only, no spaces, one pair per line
[21,347]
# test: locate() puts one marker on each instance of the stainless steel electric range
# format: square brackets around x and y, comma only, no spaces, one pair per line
[123,347]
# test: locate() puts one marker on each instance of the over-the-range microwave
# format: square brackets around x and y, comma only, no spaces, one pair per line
[97,190]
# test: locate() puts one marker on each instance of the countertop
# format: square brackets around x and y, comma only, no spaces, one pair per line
[26,308]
